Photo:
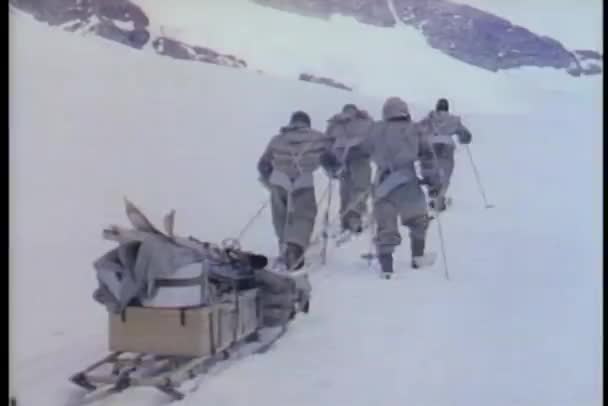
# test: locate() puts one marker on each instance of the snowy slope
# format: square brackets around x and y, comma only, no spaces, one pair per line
[519,323]
[374,60]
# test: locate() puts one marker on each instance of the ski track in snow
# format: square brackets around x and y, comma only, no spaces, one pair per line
[517,324]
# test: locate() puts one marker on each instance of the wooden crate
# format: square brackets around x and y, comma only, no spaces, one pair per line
[238,320]
[184,332]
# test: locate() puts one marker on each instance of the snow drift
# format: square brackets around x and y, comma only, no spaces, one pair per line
[519,323]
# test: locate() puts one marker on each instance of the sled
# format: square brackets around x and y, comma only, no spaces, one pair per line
[164,347]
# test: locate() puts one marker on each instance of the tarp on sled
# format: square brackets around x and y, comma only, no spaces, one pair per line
[130,272]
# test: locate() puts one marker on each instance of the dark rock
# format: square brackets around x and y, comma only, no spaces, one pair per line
[136,39]
[461,31]
[75,15]
[168,47]
[122,10]
[584,54]
[593,70]
[481,39]
[111,17]
[180,50]
[323,81]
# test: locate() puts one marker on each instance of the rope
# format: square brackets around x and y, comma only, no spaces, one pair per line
[252,220]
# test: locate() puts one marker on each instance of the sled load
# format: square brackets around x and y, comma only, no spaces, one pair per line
[177,305]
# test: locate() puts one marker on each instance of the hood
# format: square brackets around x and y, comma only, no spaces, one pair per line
[294,127]
[347,116]
[394,107]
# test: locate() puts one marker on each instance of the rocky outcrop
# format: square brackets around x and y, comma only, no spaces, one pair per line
[119,21]
[589,62]
[124,22]
[461,31]
[323,81]
[483,39]
[116,20]
[180,50]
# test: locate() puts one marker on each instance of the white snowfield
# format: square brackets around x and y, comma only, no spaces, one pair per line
[377,60]
[519,323]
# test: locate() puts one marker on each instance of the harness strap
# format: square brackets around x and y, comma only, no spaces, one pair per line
[179,283]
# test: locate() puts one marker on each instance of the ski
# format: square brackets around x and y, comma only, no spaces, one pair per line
[424,261]
[368,256]
[345,236]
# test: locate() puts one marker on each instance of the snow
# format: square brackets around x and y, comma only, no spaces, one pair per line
[124,25]
[378,61]
[519,323]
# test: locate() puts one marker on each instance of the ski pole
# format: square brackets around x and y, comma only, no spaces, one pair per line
[442,243]
[372,234]
[326,223]
[478,179]
[438,212]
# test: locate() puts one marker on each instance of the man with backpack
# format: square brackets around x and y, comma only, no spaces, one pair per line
[349,129]
[286,168]
[439,125]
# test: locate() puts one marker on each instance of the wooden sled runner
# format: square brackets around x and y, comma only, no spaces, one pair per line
[162,348]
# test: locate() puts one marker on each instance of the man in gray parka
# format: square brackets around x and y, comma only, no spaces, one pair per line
[440,126]
[286,168]
[349,129]
[394,145]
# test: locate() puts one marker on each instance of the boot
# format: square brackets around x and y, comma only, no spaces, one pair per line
[419,258]
[417,248]
[386,264]
[352,223]
[438,204]
[294,257]
[441,205]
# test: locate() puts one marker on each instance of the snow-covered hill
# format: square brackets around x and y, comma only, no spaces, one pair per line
[519,323]
[368,46]
[466,33]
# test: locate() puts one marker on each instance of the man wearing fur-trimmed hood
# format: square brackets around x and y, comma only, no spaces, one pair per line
[286,168]
[349,129]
